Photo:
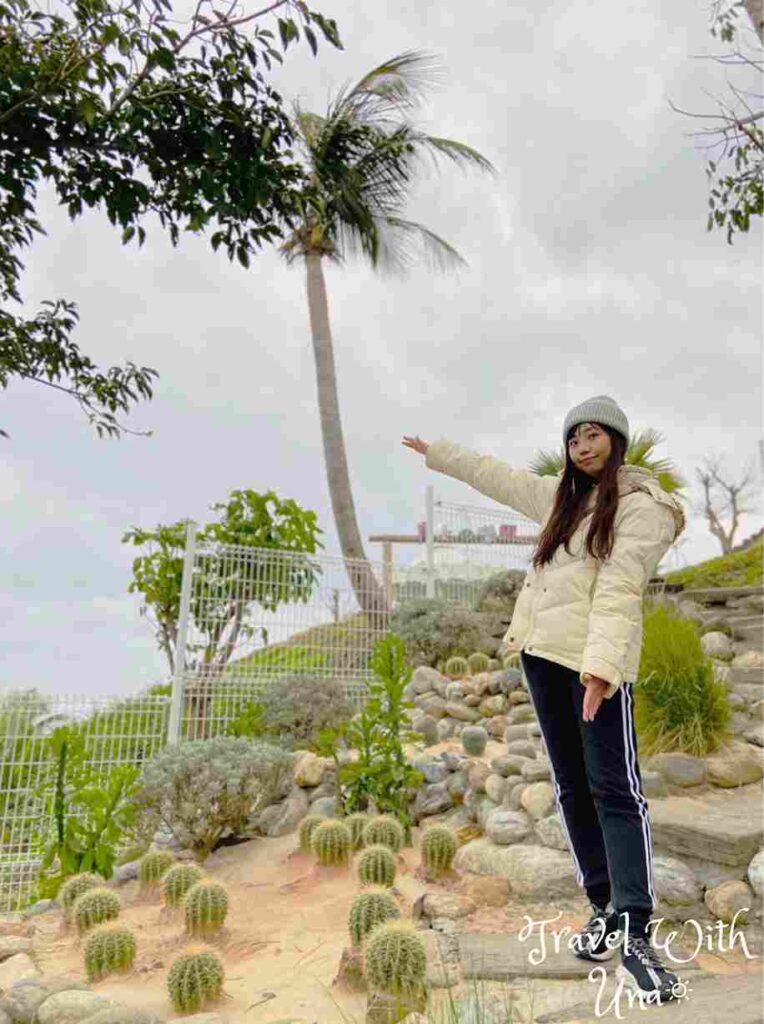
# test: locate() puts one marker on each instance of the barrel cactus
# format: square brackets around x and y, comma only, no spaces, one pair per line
[178,880]
[109,948]
[307,825]
[370,908]
[457,667]
[385,829]
[511,660]
[395,959]
[152,866]
[438,848]
[74,887]
[194,980]
[357,822]
[376,866]
[332,842]
[95,906]
[474,739]
[206,907]
[478,662]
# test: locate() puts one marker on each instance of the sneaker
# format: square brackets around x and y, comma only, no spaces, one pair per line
[643,971]
[591,942]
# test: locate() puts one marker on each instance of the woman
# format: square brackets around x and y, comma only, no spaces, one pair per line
[577,624]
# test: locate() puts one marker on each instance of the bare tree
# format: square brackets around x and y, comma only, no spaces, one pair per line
[714,508]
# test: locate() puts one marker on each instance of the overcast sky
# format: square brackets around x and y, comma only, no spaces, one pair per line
[590,271]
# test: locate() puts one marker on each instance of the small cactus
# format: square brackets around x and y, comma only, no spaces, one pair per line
[494,665]
[152,866]
[331,842]
[178,880]
[395,959]
[511,660]
[307,825]
[387,830]
[474,739]
[457,667]
[369,909]
[110,947]
[376,866]
[95,906]
[74,887]
[438,848]
[206,907]
[478,662]
[194,980]
[357,822]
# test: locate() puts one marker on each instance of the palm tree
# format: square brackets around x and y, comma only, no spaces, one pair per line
[638,453]
[360,157]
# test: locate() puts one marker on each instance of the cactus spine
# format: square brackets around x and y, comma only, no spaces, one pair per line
[178,880]
[152,866]
[511,660]
[74,887]
[438,848]
[478,662]
[331,842]
[95,906]
[369,909]
[474,739]
[307,827]
[110,947]
[386,830]
[206,907]
[395,959]
[194,980]
[456,666]
[376,866]
[357,822]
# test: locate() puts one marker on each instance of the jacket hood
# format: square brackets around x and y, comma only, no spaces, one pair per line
[638,478]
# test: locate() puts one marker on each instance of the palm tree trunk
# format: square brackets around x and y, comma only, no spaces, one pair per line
[755,10]
[368,591]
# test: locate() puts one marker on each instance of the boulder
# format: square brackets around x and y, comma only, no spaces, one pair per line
[729,899]
[538,799]
[532,871]
[506,827]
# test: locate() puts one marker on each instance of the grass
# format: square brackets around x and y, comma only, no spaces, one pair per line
[738,569]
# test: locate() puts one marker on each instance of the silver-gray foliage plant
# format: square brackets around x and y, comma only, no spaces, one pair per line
[204,789]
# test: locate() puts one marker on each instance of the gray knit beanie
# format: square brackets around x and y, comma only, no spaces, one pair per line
[600,409]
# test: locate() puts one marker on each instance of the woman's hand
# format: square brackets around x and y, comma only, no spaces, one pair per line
[595,694]
[416,443]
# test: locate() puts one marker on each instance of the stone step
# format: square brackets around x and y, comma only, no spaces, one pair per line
[751,632]
[746,676]
[499,957]
[708,1000]
[719,595]
[726,827]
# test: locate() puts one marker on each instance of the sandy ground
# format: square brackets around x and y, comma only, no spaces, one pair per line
[284,936]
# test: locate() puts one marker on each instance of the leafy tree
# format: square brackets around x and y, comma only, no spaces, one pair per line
[121,110]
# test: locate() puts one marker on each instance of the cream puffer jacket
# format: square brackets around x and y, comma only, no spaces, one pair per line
[576,610]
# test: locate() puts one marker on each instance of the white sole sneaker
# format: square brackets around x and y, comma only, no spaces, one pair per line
[649,995]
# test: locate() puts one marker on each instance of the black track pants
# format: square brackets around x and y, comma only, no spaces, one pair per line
[598,788]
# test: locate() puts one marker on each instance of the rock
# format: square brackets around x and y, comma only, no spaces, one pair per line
[537,770]
[488,890]
[725,832]
[350,973]
[533,871]
[10,945]
[675,883]
[454,691]
[496,726]
[733,765]
[23,999]
[477,773]
[538,799]
[425,678]
[125,873]
[493,705]
[717,645]
[445,729]
[281,818]
[326,789]
[484,807]
[427,727]
[505,827]
[433,770]
[326,805]
[16,968]
[450,905]
[385,1009]
[457,785]
[71,1006]
[549,830]
[653,783]
[517,732]
[521,712]
[454,761]
[522,748]
[309,770]
[432,799]
[41,907]
[471,700]
[755,873]
[522,697]
[495,787]
[754,733]
[124,1015]
[677,768]
[508,764]
[434,706]
[514,800]
[461,712]
[727,899]
[748,659]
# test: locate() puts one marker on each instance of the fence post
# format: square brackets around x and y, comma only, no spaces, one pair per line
[174,724]
[430,538]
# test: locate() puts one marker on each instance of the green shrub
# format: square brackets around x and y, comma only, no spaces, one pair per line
[434,630]
[109,948]
[499,592]
[152,867]
[202,788]
[298,707]
[737,569]
[331,842]
[206,907]
[395,960]
[94,907]
[678,703]
[369,909]
[438,848]
[384,830]
[178,880]
[195,980]
[376,866]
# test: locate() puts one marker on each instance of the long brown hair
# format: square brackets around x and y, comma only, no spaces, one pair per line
[568,509]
